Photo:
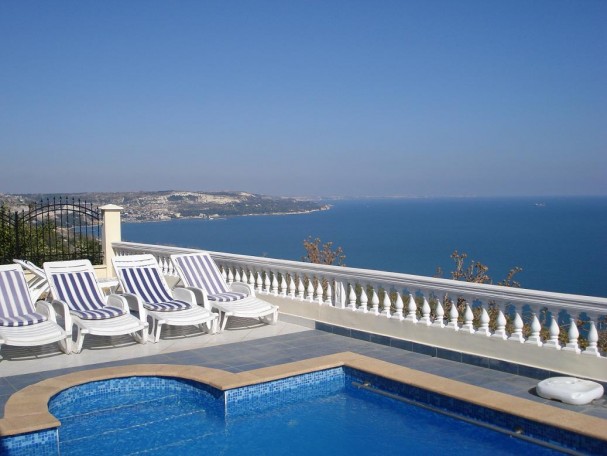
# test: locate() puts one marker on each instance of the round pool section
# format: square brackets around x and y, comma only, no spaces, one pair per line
[317,413]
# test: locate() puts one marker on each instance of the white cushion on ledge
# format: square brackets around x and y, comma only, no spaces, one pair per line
[570,390]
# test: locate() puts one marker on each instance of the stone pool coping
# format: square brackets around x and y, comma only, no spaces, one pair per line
[27,410]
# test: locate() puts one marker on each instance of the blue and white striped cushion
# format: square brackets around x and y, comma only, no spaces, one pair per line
[169,306]
[200,271]
[79,290]
[149,285]
[227,297]
[16,308]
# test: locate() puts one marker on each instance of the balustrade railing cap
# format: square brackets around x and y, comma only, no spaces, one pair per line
[111,207]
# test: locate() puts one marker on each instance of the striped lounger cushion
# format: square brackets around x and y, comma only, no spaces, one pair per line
[16,308]
[200,271]
[147,283]
[81,293]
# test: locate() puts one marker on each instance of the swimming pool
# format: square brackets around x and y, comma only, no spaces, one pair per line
[332,411]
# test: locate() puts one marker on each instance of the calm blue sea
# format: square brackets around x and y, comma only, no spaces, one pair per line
[561,243]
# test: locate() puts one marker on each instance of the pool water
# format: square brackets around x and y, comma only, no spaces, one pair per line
[152,415]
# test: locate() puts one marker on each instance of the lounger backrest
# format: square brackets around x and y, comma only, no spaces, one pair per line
[146,282]
[79,290]
[15,301]
[200,271]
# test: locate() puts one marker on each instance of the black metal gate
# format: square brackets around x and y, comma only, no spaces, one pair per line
[51,230]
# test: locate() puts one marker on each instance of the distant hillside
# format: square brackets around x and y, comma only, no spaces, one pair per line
[166,205]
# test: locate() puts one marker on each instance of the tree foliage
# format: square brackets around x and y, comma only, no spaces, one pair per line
[477,272]
[319,253]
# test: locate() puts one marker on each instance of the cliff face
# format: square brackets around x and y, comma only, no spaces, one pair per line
[165,205]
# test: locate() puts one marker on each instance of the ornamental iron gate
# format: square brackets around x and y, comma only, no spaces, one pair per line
[51,230]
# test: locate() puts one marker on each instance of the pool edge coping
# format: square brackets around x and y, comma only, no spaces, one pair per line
[27,411]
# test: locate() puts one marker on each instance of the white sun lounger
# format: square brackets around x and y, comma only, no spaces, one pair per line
[74,284]
[200,274]
[142,281]
[37,284]
[22,323]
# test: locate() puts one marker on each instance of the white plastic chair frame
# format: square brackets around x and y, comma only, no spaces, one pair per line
[35,334]
[199,273]
[199,316]
[114,326]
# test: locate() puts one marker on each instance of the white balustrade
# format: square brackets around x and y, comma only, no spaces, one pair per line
[502,315]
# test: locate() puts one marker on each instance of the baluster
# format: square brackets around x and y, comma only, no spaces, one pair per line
[593,338]
[374,303]
[386,305]
[224,274]
[266,282]
[363,300]
[425,319]
[340,295]
[300,288]
[439,321]
[517,334]
[573,336]
[352,298]
[468,325]
[399,306]
[411,310]
[554,331]
[251,280]
[259,282]
[483,329]
[292,288]
[230,276]
[310,290]
[237,275]
[453,316]
[319,292]
[500,332]
[329,294]
[536,327]
[283,285]
[274,283]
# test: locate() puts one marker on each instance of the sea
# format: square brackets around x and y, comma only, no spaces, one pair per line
[559,242]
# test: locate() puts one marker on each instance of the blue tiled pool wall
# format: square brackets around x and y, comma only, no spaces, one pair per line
[42,443]
[503,420]
[104,394]
[272,394]
[288,390]
[436,352]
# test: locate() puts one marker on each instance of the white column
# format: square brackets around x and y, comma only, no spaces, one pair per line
[111,232]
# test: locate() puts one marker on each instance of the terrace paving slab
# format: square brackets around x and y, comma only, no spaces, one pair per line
[247,346]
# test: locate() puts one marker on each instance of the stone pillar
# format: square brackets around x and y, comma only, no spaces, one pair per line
[111,233]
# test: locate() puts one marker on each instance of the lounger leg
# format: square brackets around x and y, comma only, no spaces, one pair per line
[224,320]
[79,340]
[157,329]
[65,345]
[143,338]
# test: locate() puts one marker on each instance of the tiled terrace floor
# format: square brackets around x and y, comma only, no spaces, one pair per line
[245,346]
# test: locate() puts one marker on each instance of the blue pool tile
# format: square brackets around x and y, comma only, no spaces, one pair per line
[423,349]
[402,344]
[342,331]
[449,355]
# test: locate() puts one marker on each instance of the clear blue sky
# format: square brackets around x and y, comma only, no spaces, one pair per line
[412,98]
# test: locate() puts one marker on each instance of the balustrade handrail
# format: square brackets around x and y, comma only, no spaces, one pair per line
[590,305]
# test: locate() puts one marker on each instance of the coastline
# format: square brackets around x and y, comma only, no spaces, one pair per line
[325,207]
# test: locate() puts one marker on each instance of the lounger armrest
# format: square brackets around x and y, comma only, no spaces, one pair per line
[242,288]
[132,302]
[183,294]
[46,309]
[201,297]
[116,300]
[62,309]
